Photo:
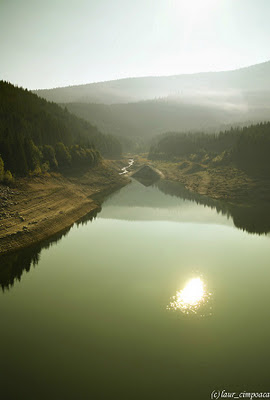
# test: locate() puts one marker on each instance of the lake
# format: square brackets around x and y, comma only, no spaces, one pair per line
[163,294]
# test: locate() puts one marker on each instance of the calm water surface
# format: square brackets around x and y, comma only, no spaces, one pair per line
[160,296]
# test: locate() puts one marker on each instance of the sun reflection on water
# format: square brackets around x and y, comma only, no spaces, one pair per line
[190,299]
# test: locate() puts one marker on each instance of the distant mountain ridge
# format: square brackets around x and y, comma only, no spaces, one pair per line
[252,78]
[146,119]
[140,108]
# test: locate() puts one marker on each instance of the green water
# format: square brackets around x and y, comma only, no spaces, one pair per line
[92,319]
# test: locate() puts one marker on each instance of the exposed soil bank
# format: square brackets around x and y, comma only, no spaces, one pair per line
[39,207]
[218,182]
[224,183]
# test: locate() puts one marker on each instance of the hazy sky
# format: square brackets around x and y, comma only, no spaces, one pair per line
[52,43]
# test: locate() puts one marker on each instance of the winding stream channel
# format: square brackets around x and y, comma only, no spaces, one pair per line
[124,170]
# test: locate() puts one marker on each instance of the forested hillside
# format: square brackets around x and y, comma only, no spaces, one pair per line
[248,148]
[145,119]
[36,134]
[140,108]
[253,78]
[148,118]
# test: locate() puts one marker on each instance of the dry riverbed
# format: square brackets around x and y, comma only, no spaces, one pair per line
[38,207]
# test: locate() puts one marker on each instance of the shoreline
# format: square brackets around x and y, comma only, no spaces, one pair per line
[226,183]
[40,207]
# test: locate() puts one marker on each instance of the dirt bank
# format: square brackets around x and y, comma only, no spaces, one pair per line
[218,182]
[39,207]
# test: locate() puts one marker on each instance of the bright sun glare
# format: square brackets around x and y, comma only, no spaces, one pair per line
[191,297]
[193,292]
[194,9]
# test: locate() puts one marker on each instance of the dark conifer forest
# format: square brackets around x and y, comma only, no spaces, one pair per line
[248,148]
[37,135]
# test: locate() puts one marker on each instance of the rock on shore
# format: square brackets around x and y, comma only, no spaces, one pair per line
[147,175]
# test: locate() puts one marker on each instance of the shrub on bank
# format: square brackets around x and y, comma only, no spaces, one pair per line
[8,178]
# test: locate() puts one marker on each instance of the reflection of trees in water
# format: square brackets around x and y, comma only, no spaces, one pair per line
[12,266]
[178,190]
[252,218]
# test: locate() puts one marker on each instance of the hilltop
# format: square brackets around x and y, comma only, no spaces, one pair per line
[252,78]
[140,108]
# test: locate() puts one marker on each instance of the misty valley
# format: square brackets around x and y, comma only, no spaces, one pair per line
[134,237]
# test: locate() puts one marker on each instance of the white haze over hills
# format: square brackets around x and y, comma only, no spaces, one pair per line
[254,78]
[147,106]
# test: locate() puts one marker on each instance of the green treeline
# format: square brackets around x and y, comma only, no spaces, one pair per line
[248,148]
[5,176]
[39,135]
[175,145]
